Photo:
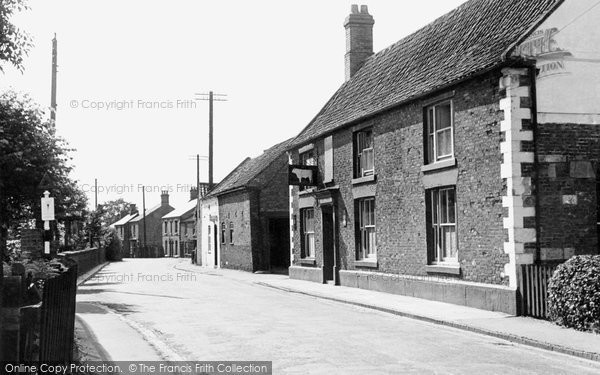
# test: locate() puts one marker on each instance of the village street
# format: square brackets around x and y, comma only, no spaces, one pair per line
[153,309]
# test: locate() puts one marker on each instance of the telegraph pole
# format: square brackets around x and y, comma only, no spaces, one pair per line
[211,98]
[144,217]
[95,193]
[210,139]
[54,70]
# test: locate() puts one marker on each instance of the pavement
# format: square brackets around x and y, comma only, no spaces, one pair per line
[522,330]
[171,310]
[113,339]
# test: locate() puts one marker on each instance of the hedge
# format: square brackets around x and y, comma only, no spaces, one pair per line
[574,293]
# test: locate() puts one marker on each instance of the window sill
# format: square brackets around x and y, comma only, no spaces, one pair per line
[364,263]
[447,269]
[306,192]
[363,180]
[308,261]
[439,165]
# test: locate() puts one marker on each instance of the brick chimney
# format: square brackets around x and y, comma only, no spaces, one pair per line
[193,193]
[133,209]
[164,198]
[359,39]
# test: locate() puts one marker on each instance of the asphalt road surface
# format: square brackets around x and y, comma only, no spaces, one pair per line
[201,316]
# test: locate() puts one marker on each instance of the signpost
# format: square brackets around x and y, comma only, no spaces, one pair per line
[47,216]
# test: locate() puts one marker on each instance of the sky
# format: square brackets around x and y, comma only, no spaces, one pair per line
[128,72]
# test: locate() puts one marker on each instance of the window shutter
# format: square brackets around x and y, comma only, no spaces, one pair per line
[328,173]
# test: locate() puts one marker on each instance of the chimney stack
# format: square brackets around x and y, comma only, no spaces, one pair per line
[133,209]
[193,193]
[164,198]
[359,39]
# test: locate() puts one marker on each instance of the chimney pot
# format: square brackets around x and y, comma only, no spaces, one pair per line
[164,198]
[359,39]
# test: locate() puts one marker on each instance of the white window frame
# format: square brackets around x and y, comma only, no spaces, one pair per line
[438,227]
[360,152]
[367,230]
[308,236]
[432,138]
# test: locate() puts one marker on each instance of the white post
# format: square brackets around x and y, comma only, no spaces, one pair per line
[47,216]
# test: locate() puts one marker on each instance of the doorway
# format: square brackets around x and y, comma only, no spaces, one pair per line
[328,233]
[279,245]
[216,240]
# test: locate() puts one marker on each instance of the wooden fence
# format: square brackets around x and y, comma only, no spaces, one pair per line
[57,324]
[534,289]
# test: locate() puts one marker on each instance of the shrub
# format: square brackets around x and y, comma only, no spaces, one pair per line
[113,246]
[574,293]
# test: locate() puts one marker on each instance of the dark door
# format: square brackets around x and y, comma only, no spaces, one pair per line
[328,243]
[216,239]
[279,245]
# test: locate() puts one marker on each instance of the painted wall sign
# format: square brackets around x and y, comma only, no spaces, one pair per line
[566,47]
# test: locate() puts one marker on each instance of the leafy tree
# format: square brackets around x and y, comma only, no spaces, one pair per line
[114,210]
[32,159]
[14,42]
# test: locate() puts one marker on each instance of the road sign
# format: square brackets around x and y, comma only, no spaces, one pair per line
[47,207]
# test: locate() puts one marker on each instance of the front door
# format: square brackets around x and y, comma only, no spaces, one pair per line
[216,239]
[328,233]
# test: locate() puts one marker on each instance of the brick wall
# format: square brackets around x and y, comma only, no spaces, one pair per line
[400,192]
[235,208]
[569,162]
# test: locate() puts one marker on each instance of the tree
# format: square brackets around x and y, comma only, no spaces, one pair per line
[114,210]
[32,159]
[14,42]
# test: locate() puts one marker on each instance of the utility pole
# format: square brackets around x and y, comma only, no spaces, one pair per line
[144,216]
[54,70]
[198,172]
[211,98]
[95,193]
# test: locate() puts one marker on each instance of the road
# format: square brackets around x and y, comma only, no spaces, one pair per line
[175,314]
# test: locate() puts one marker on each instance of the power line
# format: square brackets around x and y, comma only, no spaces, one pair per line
[578,17]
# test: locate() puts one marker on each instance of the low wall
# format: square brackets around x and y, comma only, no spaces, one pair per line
[313,274]
[86,259]
[480,296]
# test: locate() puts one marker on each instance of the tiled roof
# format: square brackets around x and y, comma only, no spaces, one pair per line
[124,220]
[148,212]
[472,38]
[243,174]
[181,211]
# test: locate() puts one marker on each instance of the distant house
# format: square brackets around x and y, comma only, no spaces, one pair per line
[179,228]
[146,232]
[122,226]
[244,220]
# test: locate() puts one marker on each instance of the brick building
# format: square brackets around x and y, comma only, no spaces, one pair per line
[244,220]
[123,228]
[145,238]
[179,228]
[455,155]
